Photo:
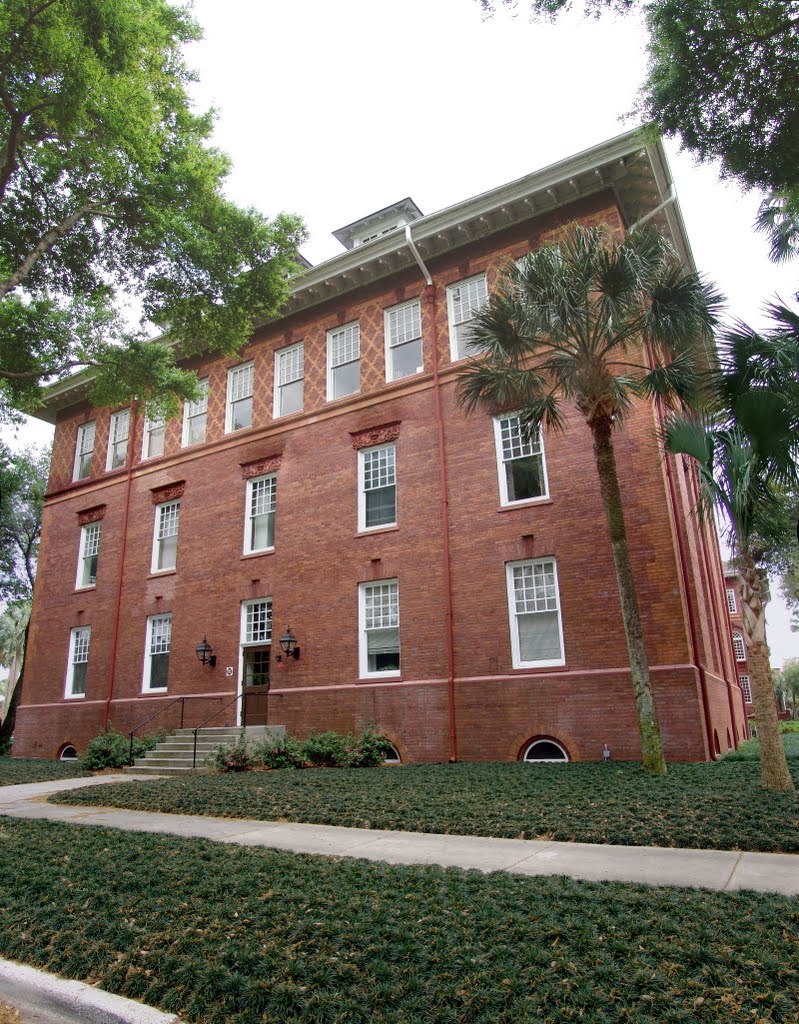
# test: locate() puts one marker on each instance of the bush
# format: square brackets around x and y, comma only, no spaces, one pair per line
[789,726]
[325,749]
[320,750]
[367,750]
[233,758]
[111,749]
[287,753]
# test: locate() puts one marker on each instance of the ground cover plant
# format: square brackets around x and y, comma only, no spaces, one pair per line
[720,806]
[749,750]
[223,934]
[17,770]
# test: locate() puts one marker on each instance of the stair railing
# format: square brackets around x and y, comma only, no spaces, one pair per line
[235,700]
[133,731]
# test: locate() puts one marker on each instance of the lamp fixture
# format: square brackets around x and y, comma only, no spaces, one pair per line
[288,643]
[205,652]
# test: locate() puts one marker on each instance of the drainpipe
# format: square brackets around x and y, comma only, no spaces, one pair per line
[653,213]
[430,292]
[134,411]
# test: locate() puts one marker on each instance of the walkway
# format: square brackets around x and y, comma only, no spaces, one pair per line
[711,869]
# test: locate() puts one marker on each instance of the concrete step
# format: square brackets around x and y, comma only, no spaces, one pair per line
[174,755]
[156,770]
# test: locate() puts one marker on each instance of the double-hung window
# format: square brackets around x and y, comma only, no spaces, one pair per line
[738,646]
[534,611]
[78,662]
[343,361]
[259,525]
[377,487]
[165,537]
[289,379]
[403,327]
[256,639]
[464,299]
[746,687]
[84,450]
[238,414]
[156,652]
[118,434]
[379,647]
[87,555]
[195,415]
[520,461]
[154,435]
[731,602]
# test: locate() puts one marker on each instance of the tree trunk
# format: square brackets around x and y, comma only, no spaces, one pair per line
[651,745]
[774,772]
[7,726]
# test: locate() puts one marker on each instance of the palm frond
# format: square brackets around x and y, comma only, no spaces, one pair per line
[778,219]
[679,380]
[485,385]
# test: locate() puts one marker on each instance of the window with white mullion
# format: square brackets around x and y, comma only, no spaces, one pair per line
[379,628]
[158,644]
[240,381]
[118,434]
[289,379]
[195,415]
[256,622]
[731,602]
[154,436]
[165,538]
[377,497]
[746,687]
[403,328]
[464,299]
[259,527]
[84,451]
[534,605]
[739,646]
[79,641]
[521,463]
[343,361]
[88,555]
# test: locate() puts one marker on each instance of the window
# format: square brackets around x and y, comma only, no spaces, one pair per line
[84,450]
[156,652]
[379,628]
[78,661]
[118,439]
[520,462]
[548,751]
[534,608]
[738,646]
[195,415]
[239,398]
[403,326]
[746,687]
[256,639]
[377,487]
[68,753]
[731,602]
[87,555]
[154,434]
[259,524]
[289,373]
[463,301]
[165,538]
[343,361]
[256,622]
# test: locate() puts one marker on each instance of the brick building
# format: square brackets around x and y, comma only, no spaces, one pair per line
[442,577]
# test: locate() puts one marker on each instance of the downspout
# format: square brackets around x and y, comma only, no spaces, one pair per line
[134,412]
[653,213]
[430,291]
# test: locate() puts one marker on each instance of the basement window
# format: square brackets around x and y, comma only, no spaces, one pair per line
[545,751]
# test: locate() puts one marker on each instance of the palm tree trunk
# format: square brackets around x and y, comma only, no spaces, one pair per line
[651,745]
[774,772]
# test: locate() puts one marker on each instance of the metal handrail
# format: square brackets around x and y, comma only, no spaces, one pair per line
[157,713]
[235,700]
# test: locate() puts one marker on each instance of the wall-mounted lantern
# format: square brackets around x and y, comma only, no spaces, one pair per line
[288,643]
[205,652]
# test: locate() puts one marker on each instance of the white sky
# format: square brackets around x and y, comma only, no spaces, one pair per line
[334,110]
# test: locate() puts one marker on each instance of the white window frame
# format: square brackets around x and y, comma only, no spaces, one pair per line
[513,613]
[363,651]
[147,673]
[247,372]
[119,421]
[270,485]
[79,645]
[364,457]
[191,411]
[352,342]
[85,430]
[457,320]
[163,511]
[504,498]
[153,426]
[89,547]
[247,638]
[738,645]
[387,320]
[732,603]
[746,687]
[282,360]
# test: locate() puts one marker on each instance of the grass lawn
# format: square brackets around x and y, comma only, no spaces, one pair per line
[16,770]
[718,806]
[234,935]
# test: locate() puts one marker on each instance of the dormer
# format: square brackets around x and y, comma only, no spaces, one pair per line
[367,229]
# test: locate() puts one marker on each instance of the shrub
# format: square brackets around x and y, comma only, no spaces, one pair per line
[233,757]
[789,726]
[111,749]
[326,749]
[286,753]
[366,750]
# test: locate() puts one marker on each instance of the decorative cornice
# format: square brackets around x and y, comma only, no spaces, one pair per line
[168,492]
[91,515]
[375,435]
[269,464]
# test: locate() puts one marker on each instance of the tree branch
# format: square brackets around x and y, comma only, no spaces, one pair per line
[45,244]
[45,371]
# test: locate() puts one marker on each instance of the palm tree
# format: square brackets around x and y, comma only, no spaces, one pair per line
[745,448]
[598,322]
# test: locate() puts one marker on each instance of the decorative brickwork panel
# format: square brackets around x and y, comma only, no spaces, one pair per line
[270,464]
[91,515]
[171,492]
[375,435]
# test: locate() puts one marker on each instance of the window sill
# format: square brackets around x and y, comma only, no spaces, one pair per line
[158,573]
[155,690]
[377,529]
[539,666]
[258,554]
[88,586]
[376,676]
[74,696]
[524,504]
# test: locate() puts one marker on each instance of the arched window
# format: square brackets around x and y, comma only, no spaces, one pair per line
[545,750]
[392,755]
[68,753]
[738,646]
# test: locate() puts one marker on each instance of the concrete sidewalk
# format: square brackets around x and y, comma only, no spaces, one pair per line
[711,869]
